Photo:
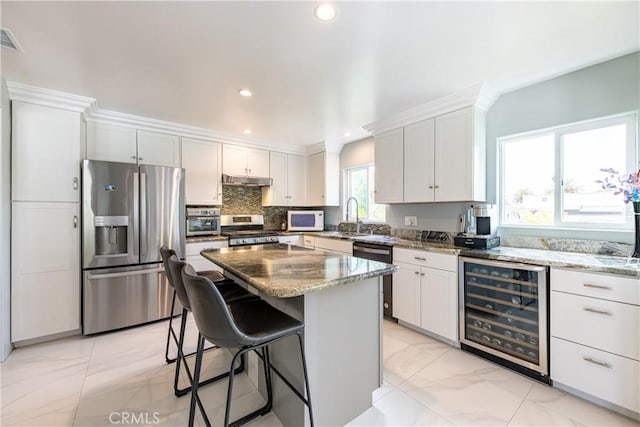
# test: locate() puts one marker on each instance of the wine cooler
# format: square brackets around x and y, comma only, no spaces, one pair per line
[503,314]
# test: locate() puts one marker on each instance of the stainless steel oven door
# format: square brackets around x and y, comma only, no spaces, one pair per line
[115,298]
[203,225]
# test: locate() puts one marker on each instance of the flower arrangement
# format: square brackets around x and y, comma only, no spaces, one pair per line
[626,184]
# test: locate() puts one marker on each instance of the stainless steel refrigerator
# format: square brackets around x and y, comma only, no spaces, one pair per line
[128,213]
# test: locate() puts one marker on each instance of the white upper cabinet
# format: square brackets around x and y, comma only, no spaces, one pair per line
[238,160]
[460,156]
[46,145]
[288,172]
[389,167]
[419,152]
[158,149]
[113,143]
[323,179]
[441,159]
[202,161]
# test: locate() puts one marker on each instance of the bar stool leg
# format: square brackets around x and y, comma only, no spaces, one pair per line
[306,378]
[194,389]
[170,331]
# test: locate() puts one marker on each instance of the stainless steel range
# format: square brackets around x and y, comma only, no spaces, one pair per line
[244,230]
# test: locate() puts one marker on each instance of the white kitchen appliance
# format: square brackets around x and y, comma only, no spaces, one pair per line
[305,220]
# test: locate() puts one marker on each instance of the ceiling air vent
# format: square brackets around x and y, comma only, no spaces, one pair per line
[8,40]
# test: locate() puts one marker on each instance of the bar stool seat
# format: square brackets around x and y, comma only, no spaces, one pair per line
[244,325]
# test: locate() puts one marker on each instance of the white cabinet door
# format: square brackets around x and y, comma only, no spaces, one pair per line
[439,298]
[315,183]
[234,160]
[202,161]
[111,143]
[389,161]
[258,162]
[45,269]
[454,156]
[158,149]
[296,180]
[323,188]
[276,194]
[334,245]
[419,151]
[45,154]
[406,293]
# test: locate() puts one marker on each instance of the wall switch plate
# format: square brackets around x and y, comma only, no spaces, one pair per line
[410,220]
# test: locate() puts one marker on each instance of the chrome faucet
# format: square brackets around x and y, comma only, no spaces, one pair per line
[358,222]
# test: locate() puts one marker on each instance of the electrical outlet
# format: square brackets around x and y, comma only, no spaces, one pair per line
[411,220]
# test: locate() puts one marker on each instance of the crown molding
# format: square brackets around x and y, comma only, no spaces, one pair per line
[47,97]
[92,112]
[480,95]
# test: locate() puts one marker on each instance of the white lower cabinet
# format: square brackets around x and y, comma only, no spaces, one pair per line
[334,245]
[197,261]
[296,239]
[425,291]
[309,241]
[595,335]
[45,269]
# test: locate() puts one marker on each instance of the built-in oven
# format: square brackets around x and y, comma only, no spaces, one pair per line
[382,253]
[203,221]
[504,315]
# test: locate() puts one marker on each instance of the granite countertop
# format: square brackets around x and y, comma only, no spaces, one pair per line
[283,271]
[446,248]
[623,266]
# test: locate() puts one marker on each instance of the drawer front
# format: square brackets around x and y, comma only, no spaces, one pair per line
[426,259]
[196,247]
[606,325]
[309,241]
[342,246]
[614,288]
[600,374]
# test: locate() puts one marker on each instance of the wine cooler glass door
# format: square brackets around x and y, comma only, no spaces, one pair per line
[504,311]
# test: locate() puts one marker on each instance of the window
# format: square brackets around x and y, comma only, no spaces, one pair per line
[548,178]
[359,183]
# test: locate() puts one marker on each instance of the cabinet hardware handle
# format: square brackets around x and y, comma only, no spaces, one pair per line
[75,182]
[133,157]
[416,273]
[595,310]
[419,259]
[139,158]
[437,186]
[75,221]
[422,274]
[249,171]
[591,285]
[597,362]
[431,186]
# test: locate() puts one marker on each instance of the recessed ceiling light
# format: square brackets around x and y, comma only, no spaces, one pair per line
[347,134]
[245,92]
[325,12]
[247,131]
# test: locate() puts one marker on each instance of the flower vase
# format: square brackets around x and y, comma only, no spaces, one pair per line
[636,219]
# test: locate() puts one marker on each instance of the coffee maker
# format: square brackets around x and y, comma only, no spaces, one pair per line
[478,228]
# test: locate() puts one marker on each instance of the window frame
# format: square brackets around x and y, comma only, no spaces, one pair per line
[630,119]
[370,190]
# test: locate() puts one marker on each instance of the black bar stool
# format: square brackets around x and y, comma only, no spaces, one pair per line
[228,288]
[243,325]
[215,276]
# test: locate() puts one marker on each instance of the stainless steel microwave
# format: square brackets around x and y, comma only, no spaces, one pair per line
[305,220]
[203,221]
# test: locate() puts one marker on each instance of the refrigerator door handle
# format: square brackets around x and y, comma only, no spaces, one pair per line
[124,273]
[135,235]
[143,216]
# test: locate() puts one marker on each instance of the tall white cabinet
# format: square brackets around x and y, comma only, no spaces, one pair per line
[45,239]
[389,167]
[323,188]
[202,161]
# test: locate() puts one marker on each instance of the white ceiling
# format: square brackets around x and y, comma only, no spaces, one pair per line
[312,81]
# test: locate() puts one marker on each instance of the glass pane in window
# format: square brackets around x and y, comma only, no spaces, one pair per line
[584,154]
[528,191]
[359,189]
[376,212]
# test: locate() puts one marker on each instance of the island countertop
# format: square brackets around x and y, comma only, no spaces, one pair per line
[284,271]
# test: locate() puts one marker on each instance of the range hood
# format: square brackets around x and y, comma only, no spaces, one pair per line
[248,181]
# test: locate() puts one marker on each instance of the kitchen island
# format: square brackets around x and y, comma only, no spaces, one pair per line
[339,298]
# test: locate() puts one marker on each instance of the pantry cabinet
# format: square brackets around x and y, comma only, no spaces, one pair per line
[289,186]
[425,291]
[45,153]
[115,143]
[441,159]
[595,335]
[202,162]
[239,160]
[323,180]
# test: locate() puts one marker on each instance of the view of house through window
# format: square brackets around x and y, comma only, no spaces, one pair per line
[359,183]
[549,178]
